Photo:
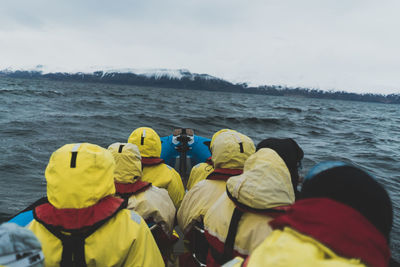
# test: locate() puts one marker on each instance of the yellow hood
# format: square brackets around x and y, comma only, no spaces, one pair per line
[147,140]
[230,149]
[80,182]
[265,182]
[127,162]
[218,133]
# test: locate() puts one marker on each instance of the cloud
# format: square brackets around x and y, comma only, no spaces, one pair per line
[343,45]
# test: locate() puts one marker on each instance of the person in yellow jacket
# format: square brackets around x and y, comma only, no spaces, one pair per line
[229,152]
[202,170]
[150,202]
[343,218]
[154,170]
[238,221]
[83,224]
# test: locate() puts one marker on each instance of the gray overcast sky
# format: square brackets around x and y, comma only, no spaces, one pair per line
[351,45]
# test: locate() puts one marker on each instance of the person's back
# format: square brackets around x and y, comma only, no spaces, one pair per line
[83,224]
[238,221]
[154,170]
[343,218]
[229,152]
[152,203]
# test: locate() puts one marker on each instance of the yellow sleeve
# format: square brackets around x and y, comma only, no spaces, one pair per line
[144,251]
[175,188]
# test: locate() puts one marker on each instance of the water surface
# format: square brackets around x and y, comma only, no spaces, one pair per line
[37,117]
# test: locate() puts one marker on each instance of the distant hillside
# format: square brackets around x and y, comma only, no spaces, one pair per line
[183,79]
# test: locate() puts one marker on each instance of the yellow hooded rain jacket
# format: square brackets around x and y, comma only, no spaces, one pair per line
[229,151]
[80,185]
[158,174]
[265,184]
[202,170]
[150,202]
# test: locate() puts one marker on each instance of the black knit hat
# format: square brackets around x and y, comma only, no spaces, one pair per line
[354,187]
[290,152]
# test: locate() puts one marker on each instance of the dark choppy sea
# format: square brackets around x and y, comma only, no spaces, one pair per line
[37,117]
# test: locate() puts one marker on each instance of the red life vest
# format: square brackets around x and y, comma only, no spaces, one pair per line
[223,174]
[151,161]
[127,190]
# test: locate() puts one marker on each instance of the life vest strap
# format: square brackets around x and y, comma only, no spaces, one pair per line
[228,252]
[73,253]
[230,238]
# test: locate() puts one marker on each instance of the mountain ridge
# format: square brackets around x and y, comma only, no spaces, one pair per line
[184,79]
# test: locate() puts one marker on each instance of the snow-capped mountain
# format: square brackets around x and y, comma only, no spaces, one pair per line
[172,78]
[182,79]
[108,71]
